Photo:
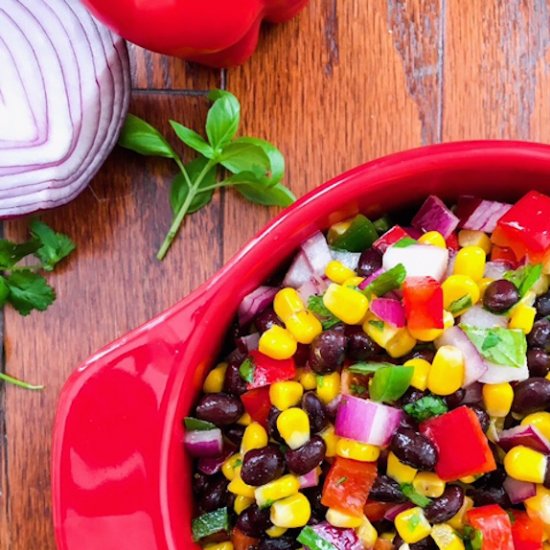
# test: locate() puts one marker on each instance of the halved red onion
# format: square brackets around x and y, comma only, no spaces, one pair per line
[389,310]
[68,89]
[435,216]
[519,491]
[528,436]
[474,365]
[478,214]
[204,443]
[255,302]
[479,317]
[394,511]
[311,479]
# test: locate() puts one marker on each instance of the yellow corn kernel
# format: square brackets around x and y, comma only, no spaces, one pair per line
[304,326]
[278,343]
[353,282]
[429,484]
[547,376]
[367,533]
[363,452]
[277,489]
[539,507]
[284,395]
[468,480]
[470,237]
[431,334]
[231,464]
[331,440]
[525,464]
[412,525]
[226,545]
[523,318]
[244,420]
[470,261]
[447,372]
[398,471]
[339,519]
[396,341]
[293,425]
[337,272]
[337,229]
[291,512]
[242,503]
[540,420]
[401,344]
[434,238]
[254,437]
[456,287]
[498,398]
[328,387]
[541,286]
[275,532]
[347,304]
[215,378]
[238,487]
[483,284]
[457,521]
[287,302]
[421,371]
[446,538]
[308,379]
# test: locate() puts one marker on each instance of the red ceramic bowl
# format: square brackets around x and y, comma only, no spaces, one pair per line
[121,480]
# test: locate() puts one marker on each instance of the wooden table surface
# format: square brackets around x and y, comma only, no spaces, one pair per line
[345,82]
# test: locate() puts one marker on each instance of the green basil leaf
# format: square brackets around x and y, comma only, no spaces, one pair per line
[29,291]
[192,139]
[196,424]
[426,407]
[276,195]
[525,277]
[54,246]
[180,189]
[240,156]
[223,119]
[11,253]
[140,137]
[414,496]
[405,242]
[276,159]
[388,281]
[390,383]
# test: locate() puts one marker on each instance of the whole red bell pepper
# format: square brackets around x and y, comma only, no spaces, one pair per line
[260,370]
[423,301]
[527,532]
[218,33]
[495,526]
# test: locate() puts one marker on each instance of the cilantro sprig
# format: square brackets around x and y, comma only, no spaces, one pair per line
[252,166]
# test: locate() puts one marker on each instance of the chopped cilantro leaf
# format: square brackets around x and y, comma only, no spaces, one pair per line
[317,307]
[405,242]
[368,367]
[384,283]
[341,481]
[377,324]
[525,277]
[461,303]
[509,350]
[414,496]
[246,370]
[426,407]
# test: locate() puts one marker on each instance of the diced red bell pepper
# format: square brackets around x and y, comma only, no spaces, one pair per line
[503,254]
[260,370]
[257,404]
[383,544]
[423,301]
[348,484]
[463,447]
[452,242]
[525,226]
[391,236]
[375,511]
[527,532]
[241,541]
[495,526]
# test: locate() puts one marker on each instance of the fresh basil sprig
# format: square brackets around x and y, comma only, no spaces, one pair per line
[252,166]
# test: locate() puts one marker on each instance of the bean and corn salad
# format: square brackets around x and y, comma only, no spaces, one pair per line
[390,391]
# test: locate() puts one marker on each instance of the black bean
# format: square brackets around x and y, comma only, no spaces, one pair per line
[281,543]
[538,362]
[446,506]
[199,482]
[267,319]
[272,430]
[425,544]
[531,395]
[219,408]
[369,261]
[386,489]
[543,305]
[234,434]
[316,411]
[427,354]
[314,495]
[302,355]
[233,382]
[215,495]
[500,296]
[414,449]
[411,396]
[482,416]
[253,521]
[360,345]
[302,460]
[483,496]
[260,466]
[539,337]
[546,481]
[328,351]
[455,399]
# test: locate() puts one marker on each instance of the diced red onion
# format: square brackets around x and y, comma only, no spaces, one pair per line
[349,259]
[479,317]
[317,252]
[419,260]
[435,216]
[342,539]
[299,272]
[394,511]
[255,302]
[528,436]
[368,280]
[497,374]
[211,466]
[519,491]
[249,342]
[65,89]
[204,443]
[474,365]
[311,479]
[366,421]
[496,269]
[451,264]
[389,310]
[480,215]
[314,287]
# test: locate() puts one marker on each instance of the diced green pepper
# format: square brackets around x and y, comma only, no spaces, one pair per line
[390,383]
[358,236]
[384,283]
[308,537]
[210,523]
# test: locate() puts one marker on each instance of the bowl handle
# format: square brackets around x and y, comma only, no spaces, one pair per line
[111,438]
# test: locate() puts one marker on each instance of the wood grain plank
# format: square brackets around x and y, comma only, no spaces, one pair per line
[112,284]
[497,70]
[343,83]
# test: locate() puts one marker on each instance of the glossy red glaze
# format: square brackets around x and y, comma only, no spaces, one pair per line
[120,477]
